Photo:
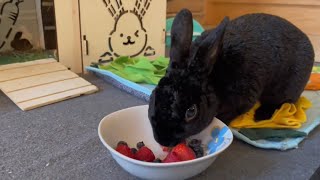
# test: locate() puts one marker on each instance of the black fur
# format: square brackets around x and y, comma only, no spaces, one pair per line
[256,57]
[20,44]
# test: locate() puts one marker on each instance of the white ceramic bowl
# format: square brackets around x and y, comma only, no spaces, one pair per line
[132,125]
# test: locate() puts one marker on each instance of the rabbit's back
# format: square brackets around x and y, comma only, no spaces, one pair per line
[263,47]
[262,54]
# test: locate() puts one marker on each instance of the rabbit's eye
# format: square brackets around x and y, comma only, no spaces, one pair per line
[121,35]
[191,113]
[136,33]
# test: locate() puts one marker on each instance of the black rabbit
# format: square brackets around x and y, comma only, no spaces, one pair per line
[20,44]
[225,71]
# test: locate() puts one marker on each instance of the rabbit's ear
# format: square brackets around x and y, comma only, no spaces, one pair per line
[181,38]
[18,35]
[209,49]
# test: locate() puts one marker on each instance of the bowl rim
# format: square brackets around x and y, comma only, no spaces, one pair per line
[152,164]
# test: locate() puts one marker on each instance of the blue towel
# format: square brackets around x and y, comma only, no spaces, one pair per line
[143,91]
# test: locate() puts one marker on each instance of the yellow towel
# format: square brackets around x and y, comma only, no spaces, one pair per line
[290,116]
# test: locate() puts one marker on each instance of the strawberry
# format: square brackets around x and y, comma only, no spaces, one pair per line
[124,149]
[171,157]
[184,152]
[166,149]
[145,154]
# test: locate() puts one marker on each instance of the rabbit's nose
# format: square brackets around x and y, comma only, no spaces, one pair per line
[129,37]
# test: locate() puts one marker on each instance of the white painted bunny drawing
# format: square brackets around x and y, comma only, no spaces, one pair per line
[128,37]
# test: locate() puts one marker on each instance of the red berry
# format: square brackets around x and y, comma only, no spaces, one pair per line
[166,149]
[125,150]
[171,157]
[184,152]
[145,154]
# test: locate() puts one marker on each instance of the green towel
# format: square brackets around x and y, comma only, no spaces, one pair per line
[271,134]
[139,69]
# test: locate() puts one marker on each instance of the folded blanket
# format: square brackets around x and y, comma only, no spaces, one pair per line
[271,134]
[288,116]
[139,69]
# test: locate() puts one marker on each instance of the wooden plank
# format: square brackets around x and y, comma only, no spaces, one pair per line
[174,6]
[16,73]
[33,81]
[25,64]
[279,2]
[304,17]
[68,32]
[198,16]
[316,46]
[47,89]
[35,103]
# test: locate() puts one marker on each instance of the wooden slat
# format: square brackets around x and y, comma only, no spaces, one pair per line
[33,81]
[38,83]
[278,2]
[316,46]
[304,17]
[25,64]
[16,73]
[35,103]
[199,17]
[174,6]
[47,89]
[68,32]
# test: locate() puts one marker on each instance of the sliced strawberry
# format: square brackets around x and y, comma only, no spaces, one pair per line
[145,154]
[125,150]
[166,149]
[171,157]
[184,152]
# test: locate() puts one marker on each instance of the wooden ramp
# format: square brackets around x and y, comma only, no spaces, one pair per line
[38,83]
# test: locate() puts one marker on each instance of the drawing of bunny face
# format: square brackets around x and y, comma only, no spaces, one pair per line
[128,38]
